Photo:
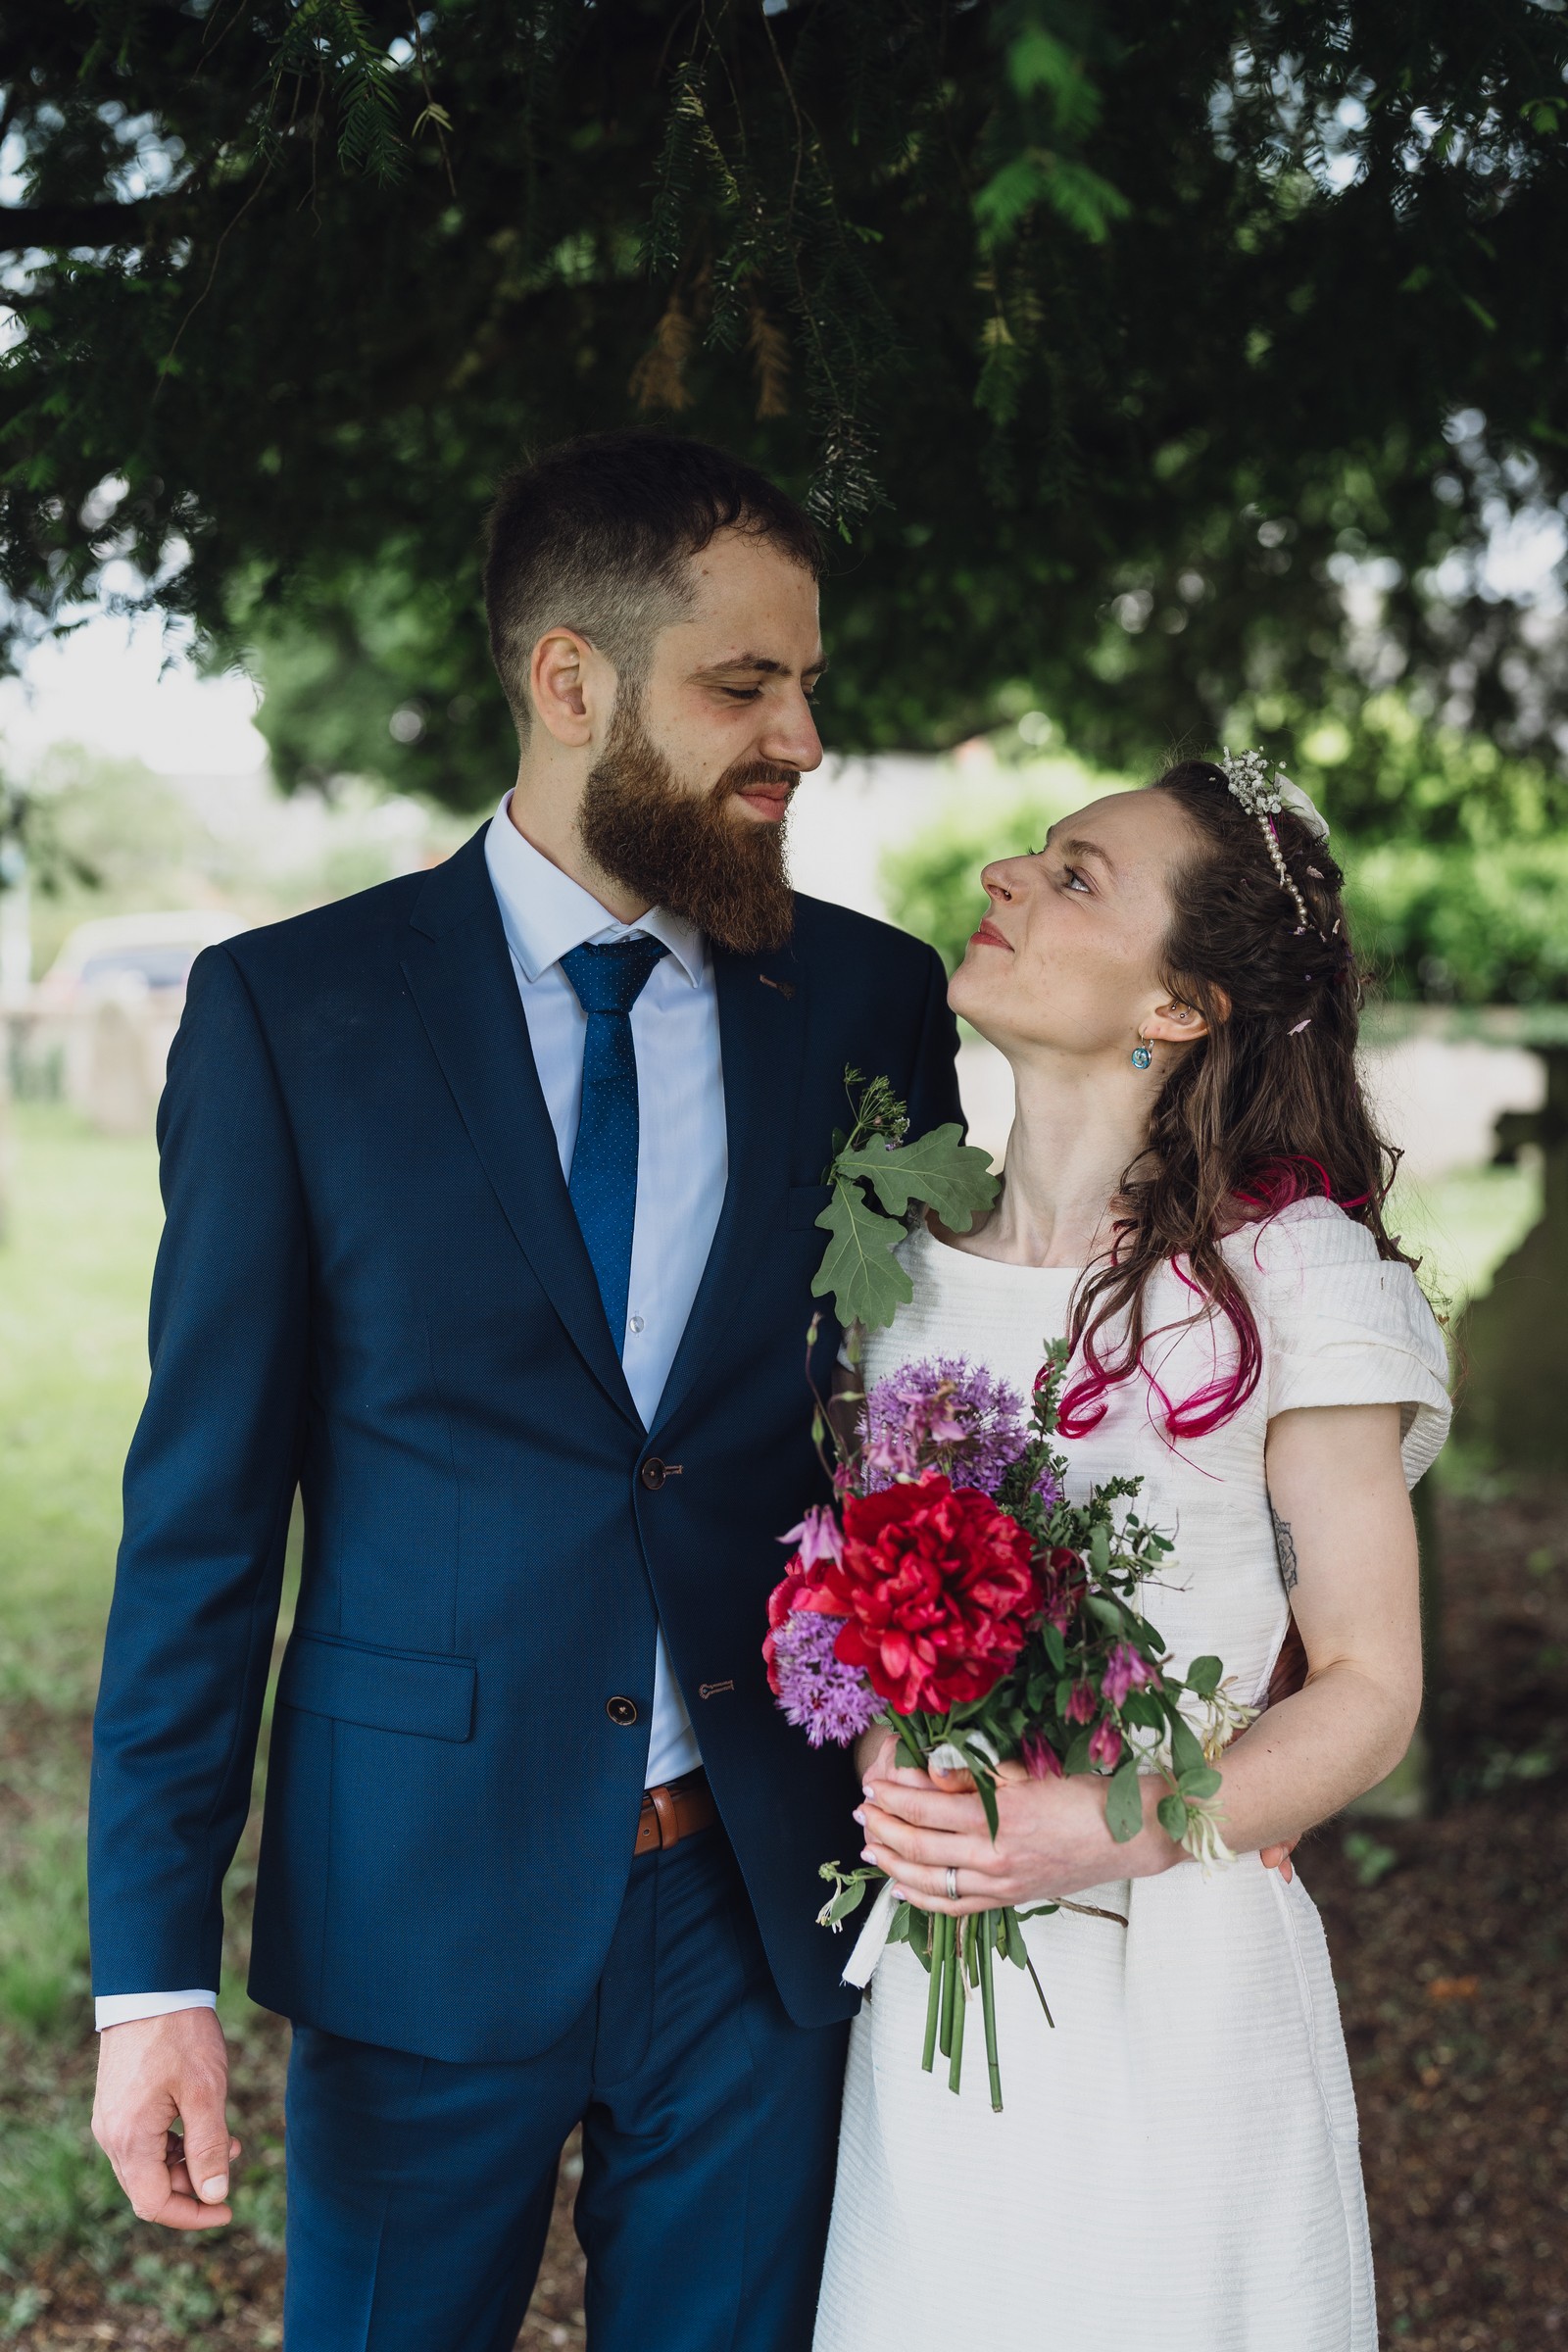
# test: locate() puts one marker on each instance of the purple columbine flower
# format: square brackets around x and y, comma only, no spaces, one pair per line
[943,1414]
[1125,1671]
[1104,1748]
[819,1695]
[1041,1759]
[819,1537]
[1081,1703]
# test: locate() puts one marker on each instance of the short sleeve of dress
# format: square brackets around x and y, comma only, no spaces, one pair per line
[1348,1327]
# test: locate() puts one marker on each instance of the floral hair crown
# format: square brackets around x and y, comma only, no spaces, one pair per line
[1265,795]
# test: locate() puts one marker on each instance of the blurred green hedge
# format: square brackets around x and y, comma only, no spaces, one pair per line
[1460,926]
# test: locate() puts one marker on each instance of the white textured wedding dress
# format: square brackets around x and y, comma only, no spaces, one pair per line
[1177,2162]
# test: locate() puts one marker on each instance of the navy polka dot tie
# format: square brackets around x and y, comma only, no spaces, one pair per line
[603,1184]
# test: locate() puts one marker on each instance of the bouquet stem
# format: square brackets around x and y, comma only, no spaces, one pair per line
[986,1924]
[933,1996]
[960,2002]
[950,1979]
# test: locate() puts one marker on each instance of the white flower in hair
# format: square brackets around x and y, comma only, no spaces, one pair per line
[1264,795]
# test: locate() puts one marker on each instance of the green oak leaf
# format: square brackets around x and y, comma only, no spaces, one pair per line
[868,1286]
[940,1168]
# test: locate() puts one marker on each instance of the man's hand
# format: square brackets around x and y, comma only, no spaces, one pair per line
[152,2074]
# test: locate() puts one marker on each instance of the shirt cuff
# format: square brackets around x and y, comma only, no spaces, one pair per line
[124,2008]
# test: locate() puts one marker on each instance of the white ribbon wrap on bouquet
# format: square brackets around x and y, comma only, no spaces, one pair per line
[871,1941]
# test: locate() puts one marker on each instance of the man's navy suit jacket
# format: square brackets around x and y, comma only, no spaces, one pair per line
[373,1286]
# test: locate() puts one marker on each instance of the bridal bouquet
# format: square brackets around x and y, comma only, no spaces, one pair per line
[953,1594]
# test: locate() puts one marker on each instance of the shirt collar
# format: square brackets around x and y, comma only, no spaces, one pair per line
[545,914]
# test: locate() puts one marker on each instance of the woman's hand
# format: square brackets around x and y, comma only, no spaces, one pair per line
[1051,1839]
[874,1751]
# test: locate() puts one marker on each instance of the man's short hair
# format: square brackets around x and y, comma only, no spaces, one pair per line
[595,535]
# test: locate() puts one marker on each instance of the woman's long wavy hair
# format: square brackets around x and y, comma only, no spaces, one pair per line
[1266,1109]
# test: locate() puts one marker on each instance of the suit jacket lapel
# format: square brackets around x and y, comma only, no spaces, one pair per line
[458,969]
[762,1033]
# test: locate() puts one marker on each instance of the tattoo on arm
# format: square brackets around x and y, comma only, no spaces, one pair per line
[1285,1549]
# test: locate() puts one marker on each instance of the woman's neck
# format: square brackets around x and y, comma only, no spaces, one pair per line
[1076,1127]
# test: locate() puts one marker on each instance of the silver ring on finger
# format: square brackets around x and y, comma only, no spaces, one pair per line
[953,1886]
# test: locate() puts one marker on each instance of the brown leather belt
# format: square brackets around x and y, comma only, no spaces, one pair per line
[674,1811]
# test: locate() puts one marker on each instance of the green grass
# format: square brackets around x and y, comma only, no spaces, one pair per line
[1462,1226]
[81,1231]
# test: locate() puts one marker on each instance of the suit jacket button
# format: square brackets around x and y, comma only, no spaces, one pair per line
[652,1474]
[622,1710]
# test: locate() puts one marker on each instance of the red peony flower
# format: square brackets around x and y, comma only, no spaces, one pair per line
[781,1602]
[938,1586]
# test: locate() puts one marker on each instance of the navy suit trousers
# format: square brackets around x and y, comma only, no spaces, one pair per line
[419,2191]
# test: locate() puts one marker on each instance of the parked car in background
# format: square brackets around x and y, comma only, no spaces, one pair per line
[151,951]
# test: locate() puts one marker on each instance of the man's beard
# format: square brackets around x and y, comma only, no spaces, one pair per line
[691,855]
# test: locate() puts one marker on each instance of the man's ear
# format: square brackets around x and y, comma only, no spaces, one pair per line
[1173,1023]
[570,680]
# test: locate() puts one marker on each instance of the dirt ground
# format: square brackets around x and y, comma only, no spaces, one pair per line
[1447,1937]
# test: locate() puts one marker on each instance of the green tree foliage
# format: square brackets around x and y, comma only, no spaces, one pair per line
[1110,339]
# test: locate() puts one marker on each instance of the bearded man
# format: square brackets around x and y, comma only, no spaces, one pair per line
[491,1225]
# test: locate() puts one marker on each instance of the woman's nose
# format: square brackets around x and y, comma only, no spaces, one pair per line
[1002,880]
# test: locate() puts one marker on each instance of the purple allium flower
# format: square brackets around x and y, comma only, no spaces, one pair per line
[819,1695]
[819,1537]
[1048,1489]
[1104,1746]
[1125,1671]
[945,1414]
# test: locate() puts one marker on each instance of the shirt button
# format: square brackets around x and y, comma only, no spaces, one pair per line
[622,1711]
[636,1323]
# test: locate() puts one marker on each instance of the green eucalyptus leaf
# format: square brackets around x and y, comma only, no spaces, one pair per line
[1200,1782]
[868,1286]
[1186,1754]
[1077,1757]
[1173,1817]
[1100,1549]
[1203,1677]
[1056,1648]
[1125,1802]
[985,1788]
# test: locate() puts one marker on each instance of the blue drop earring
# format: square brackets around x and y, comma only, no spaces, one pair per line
[1143,1055]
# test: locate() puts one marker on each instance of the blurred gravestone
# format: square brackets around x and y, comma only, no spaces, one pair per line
[110,1061]
[1513,1343]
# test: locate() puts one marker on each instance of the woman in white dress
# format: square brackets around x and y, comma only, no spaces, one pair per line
[1177,2161]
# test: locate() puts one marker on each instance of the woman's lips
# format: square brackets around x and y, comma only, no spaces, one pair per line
[988,936]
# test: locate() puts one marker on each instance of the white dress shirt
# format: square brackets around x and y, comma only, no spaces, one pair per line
[682,1168]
